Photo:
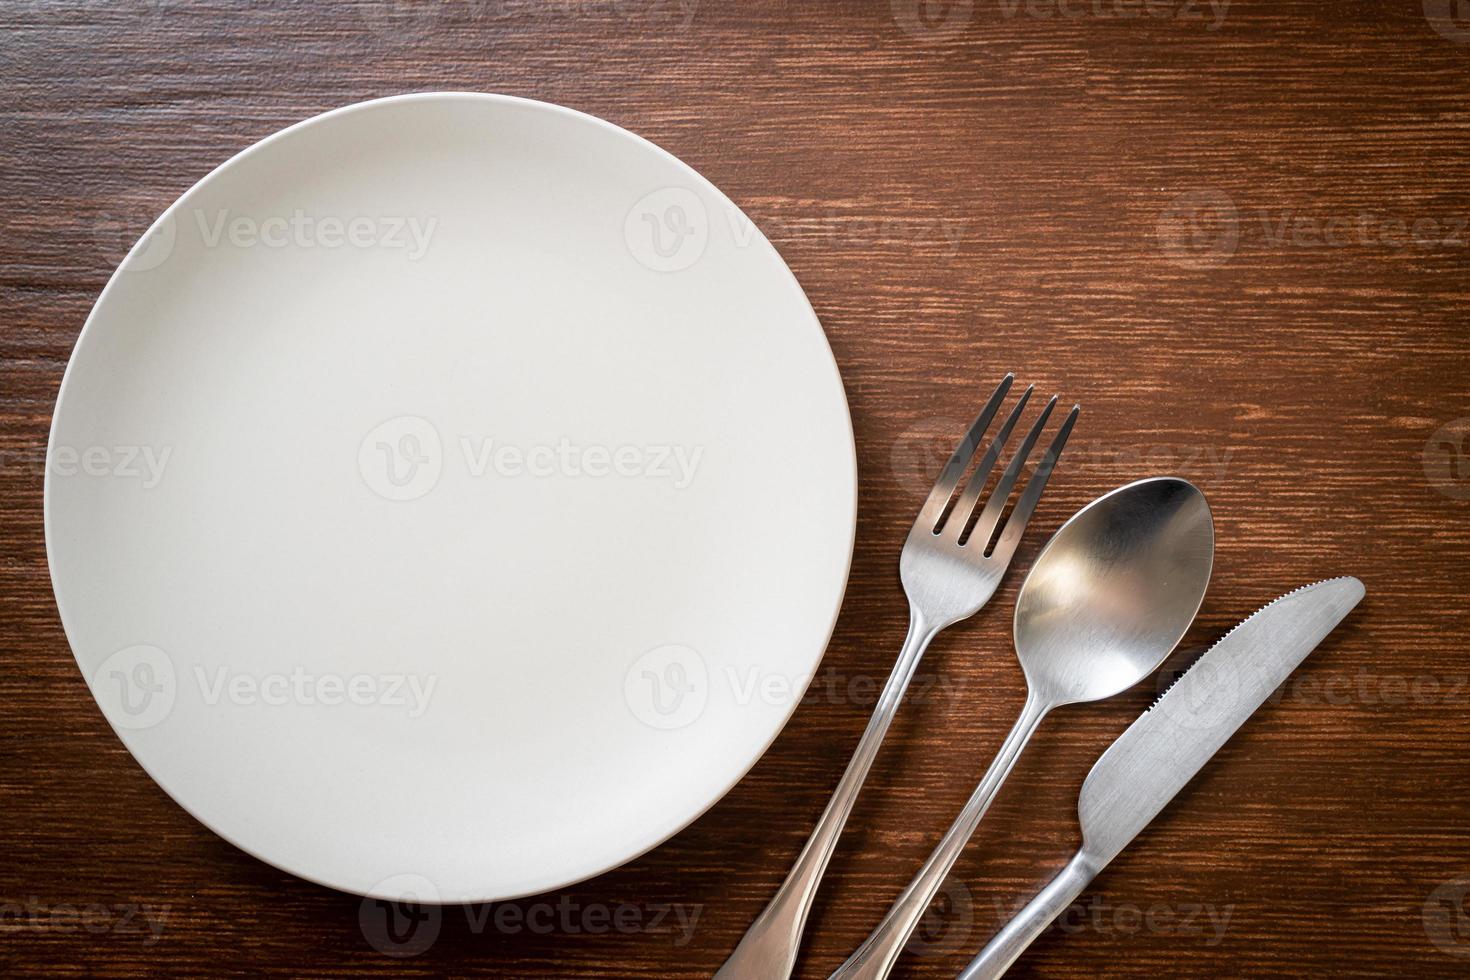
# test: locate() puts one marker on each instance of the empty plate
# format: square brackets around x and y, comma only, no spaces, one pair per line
[450,497]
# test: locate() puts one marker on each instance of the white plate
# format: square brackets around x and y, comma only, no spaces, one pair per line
[450,497]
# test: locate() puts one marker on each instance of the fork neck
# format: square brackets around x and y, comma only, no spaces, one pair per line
[921,633]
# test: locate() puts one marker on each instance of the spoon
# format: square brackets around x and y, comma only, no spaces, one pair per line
[1109,597]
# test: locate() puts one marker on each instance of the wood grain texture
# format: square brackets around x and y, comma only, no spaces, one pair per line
[1236,236]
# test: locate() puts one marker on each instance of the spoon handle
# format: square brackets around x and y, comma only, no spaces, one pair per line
[768,949]
[876,956]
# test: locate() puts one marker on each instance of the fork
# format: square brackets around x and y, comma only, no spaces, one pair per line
[949,573]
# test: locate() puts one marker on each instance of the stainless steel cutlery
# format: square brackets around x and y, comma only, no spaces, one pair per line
[1160,752]
[1107,600]
[949,572]
[1109,597]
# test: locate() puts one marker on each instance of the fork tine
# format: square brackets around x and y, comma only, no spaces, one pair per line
[976,483]
[996,504]
[1016,525]
[934,506]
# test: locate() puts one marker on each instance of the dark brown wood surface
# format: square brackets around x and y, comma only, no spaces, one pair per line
[1235,233]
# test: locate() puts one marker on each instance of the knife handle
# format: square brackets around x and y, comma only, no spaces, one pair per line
[1008,944]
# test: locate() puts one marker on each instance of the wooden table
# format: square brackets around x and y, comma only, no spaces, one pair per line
[1236,234]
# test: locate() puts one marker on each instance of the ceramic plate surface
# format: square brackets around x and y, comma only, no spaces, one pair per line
[450,498]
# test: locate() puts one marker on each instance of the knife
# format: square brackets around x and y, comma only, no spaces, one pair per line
[1162,751]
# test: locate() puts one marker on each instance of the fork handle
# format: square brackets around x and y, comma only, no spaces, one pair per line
[876,956]
[1008,944]
[768,949]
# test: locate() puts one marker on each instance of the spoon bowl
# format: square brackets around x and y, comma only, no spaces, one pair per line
[1114,591]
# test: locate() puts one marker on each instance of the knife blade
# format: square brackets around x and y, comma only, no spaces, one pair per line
[1170,742]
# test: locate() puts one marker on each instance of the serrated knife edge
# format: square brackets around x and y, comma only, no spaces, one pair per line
[1170,742]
